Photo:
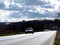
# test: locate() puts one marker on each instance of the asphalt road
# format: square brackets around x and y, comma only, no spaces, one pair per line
[38,38]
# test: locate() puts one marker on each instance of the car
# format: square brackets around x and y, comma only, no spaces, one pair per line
[29,30]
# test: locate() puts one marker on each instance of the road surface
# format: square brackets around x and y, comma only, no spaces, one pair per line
[38,38]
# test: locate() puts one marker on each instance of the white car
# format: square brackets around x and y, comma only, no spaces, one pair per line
[29,30]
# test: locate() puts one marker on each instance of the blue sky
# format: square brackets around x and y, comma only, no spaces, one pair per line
[18,10]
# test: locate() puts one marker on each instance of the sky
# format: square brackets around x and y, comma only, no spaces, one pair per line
[19,10]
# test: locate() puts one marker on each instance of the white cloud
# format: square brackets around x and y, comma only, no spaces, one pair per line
[19,5]
[7,3]
[40,9]
[4,15]
[55,3]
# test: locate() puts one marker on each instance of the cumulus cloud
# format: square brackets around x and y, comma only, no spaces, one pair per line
[18,10]
[55,3]
[4,15]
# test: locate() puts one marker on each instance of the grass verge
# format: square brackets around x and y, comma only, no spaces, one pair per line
[7,34]
[57,40]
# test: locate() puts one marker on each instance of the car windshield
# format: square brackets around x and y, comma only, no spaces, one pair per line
[29,28]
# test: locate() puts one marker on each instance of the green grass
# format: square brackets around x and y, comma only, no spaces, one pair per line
[57,40]
[7,34]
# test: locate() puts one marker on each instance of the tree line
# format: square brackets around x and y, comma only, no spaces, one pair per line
[37,25]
